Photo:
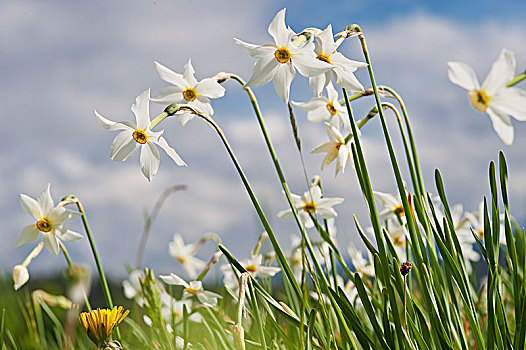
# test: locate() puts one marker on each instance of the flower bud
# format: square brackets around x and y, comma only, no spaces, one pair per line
[238,333]
[405,267]
[20,276]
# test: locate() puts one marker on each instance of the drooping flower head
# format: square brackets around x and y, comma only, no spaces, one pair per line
[279,61]
[135,136]
[337,148]
[187,90]
[493,97]
[99,323]
[49,222]
[342,67]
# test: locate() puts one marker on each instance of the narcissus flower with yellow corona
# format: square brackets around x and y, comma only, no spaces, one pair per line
[49,222]
[99,323]
[493,97]
[187,90]
[138,135]
[279,61]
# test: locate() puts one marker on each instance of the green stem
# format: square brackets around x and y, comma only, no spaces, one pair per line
[102,277]
[517,79]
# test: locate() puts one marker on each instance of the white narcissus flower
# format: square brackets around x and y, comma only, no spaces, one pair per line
[392,205]
[312,203]
[194,288]
[342,67]
[280,61]
[138,135]
[49,222]
[323,108]
[184,253]
[493,97]
[187,90]
[337,148]
[253,266]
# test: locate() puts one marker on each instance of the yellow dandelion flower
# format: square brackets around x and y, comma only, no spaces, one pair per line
[99,323]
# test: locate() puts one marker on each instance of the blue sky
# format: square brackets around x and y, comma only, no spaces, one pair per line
[60,60]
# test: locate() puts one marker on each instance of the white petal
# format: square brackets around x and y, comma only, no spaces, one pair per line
[210,88]
[329,158]
[343,155]
[50,241]
[202,103]
[326,40]
[279,31]
[188,74]
[501,73]
[27,235]
[174,280]
[308,65]
[170,151]
[58,215]
[332,94]
[141,109]
[282,80]
[171,94]
[319,115]
[326,213]
[30,206]
[511,101]
[170,76]
[257,51]
[208,298]
[329,202]
[264,69]
[45,202]
[326,147]
[70,236]
[113,126]
[319,82]
[463,75]
[501,125]
[123,146]
[346,80]
[150,160]
[185,118]
[313,104]
[343,62]
[285,214]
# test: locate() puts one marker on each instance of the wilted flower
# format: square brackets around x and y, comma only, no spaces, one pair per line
[279,61]
[187,90]
[49,222]
[194,288]
[493,97]
[99,323]
[337,148]
[184,253]
[134,136]
[342,67]
[312,203]
[322,108]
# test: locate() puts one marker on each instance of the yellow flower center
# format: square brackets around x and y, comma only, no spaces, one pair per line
[481,233]
[181,259]
[140,136]
[251,268]
[282,54]
[399,240]
[331,109]
[309,207]
[479,99]
[191,290]
[189,94]
[398,210]
[325,58]
[44,225]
